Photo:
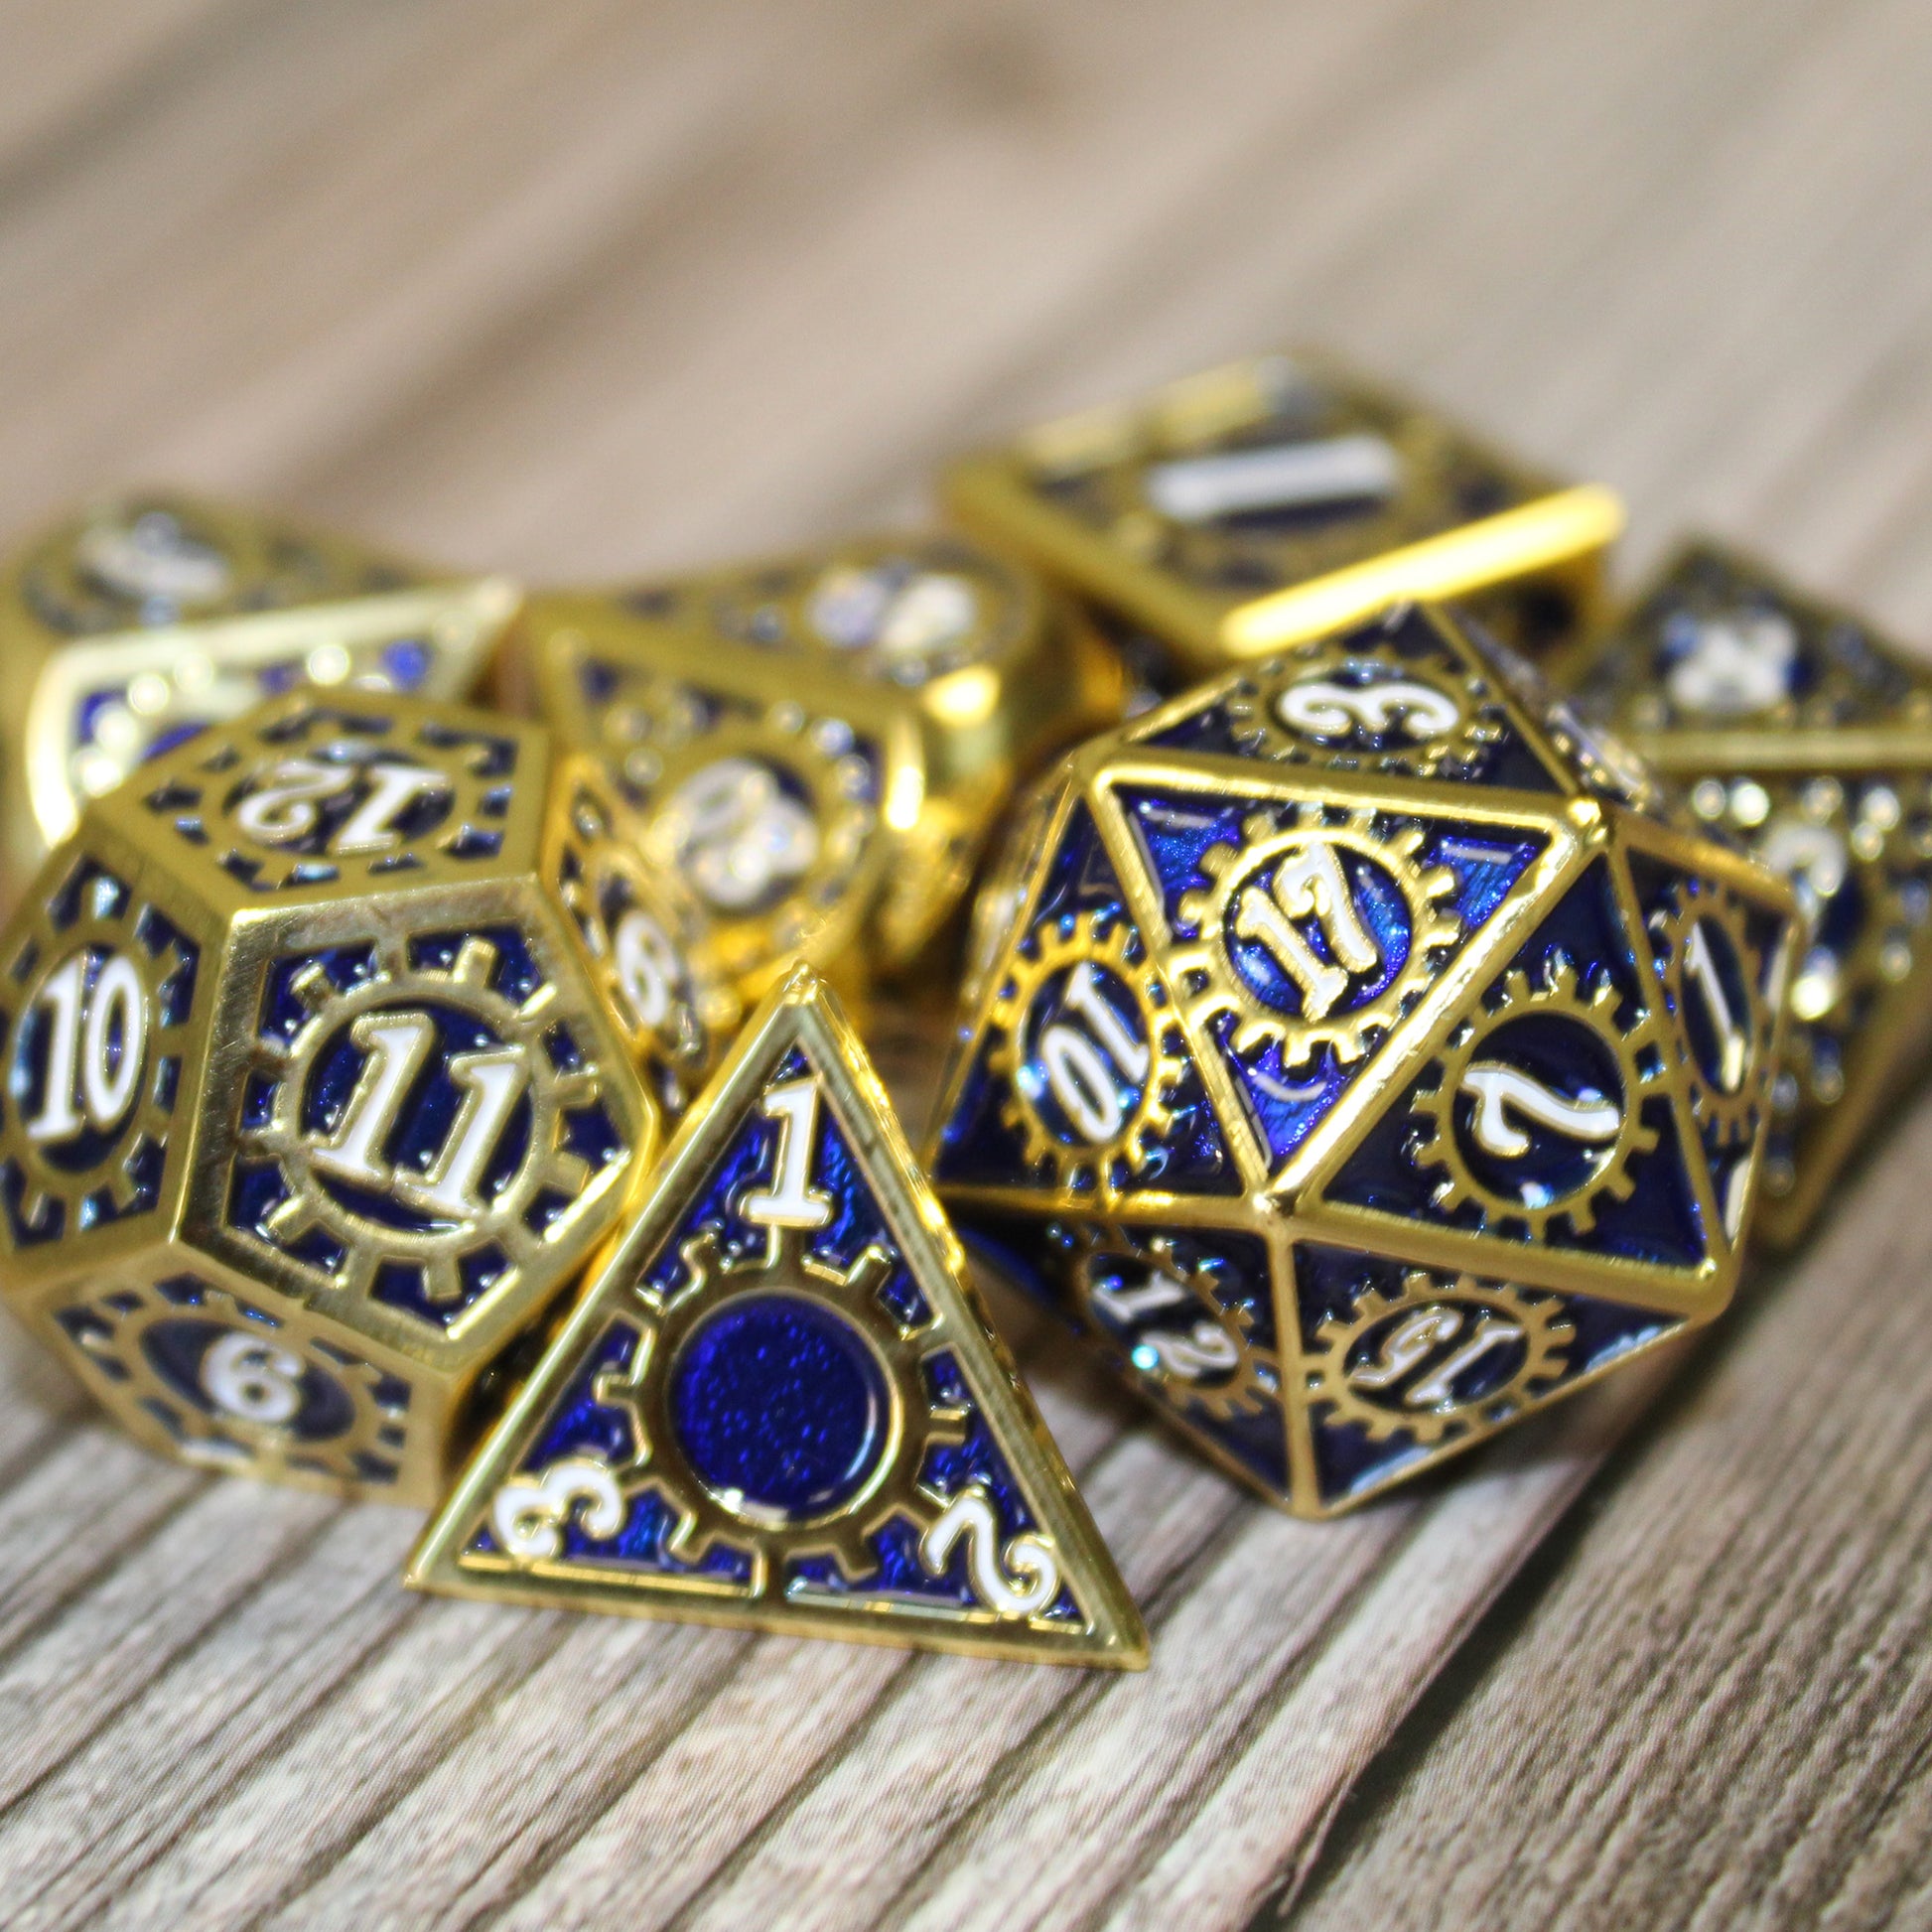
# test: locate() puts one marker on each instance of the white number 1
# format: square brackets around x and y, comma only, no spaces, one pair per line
[792,1201]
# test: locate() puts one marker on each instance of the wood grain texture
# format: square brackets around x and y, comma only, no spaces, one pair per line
[587,289]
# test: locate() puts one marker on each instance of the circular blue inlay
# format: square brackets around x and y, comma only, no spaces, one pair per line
[782,1401]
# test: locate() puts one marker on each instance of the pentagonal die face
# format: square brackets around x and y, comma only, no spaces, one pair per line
[413,1118]
[1339,997]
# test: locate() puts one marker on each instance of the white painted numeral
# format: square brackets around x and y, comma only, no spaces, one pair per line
[792,1201]
[1309,885]
[528,1514]
[1492,1332]
[1276,476]
[1080,1066]
[1322,708]
[1205,1349]
[396,1046]
[1733,1048]
[1501,1091]
[1416,1338]
[253,1379]
[284,809]
[1735,664]
[649,968]
[1119,1302]
[85,1080]
[1020,1580]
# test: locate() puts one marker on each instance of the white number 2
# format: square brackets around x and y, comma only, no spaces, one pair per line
[84,1082]
[1020,1580]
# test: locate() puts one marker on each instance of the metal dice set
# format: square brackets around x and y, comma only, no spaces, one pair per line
[424,1076]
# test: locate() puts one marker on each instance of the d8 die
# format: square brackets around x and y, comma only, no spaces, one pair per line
[1796,727]
[1367,1057]
[1271,501]
[136,623]
[312,1102]
[819,745]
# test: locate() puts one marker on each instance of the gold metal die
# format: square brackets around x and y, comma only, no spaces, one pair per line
[1795,726]
[779,1403]
[1363,1051]
[314,1098]
[1273,501]
[143,619]
[819,747]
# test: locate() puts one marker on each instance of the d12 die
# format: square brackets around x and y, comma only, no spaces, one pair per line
[313,1104]
[819,745]
[1796,727]
[779,1403]
[133,624]
[1269,501]
[1367,1056]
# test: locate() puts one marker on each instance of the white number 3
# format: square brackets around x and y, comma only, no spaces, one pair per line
[1036,1578]
[529,1512]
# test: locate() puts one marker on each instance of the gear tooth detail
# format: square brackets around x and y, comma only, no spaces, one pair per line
[1391,1365]
[1504,1095]
[1106,943]
[1346,1020]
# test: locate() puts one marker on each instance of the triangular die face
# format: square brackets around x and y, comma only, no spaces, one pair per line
[1405,1365]
[1547,1119]
[1398,697]
[1720,960]
[102,709]
[778,1406]
[1722,645]
[1080,1085]
[1304,934]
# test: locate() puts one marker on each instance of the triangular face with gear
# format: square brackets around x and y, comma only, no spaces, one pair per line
[1303,933]
[779,1406]
[1547,1118]
[1401,697]
[1078,1085]
[1405,1365]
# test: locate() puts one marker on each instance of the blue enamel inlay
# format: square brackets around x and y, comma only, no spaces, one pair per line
[780,1400]
[1287,1104]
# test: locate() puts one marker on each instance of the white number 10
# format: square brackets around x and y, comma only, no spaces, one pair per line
[84,1082]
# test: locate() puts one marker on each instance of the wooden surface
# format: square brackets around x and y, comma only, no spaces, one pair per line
[583,289]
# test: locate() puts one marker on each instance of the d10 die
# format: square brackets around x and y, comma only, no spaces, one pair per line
[313,1102]
[819,745]
[1269,501]
[1366,1058]
[1796,727]
[137,622]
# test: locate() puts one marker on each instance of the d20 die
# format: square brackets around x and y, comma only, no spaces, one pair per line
[1796,727]
[313,1104]
[1271,501]
[819,745]
[135,624]
[1366,1058]
[779,1404]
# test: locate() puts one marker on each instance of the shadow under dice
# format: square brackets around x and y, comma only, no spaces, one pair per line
[1363,1054]
[312,1105]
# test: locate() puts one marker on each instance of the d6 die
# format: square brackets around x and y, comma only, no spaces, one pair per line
[819,745]
[312,1105]
[1366,1058]
[1796,727]
[1271,501]
[142,618]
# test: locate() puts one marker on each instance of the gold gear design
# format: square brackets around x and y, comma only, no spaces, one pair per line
[1257,727]
[107,918]
[1269,836]
[1109,942]
[705,1519]
[1546,1337]
[1562,995]
[1248,1384]
[110,1332]
[1733,1114]
[553,1094]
